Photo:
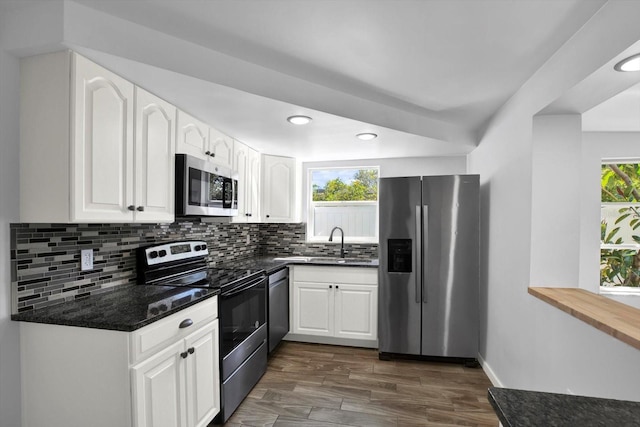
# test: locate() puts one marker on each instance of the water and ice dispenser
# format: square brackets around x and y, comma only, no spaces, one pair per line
[400,255]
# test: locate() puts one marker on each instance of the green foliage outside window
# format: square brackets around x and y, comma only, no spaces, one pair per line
[363,187]
[620,183]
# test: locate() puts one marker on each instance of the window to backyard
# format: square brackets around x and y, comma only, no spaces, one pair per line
[345,198]
[620,226]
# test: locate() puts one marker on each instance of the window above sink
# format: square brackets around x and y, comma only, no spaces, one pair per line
[346,197]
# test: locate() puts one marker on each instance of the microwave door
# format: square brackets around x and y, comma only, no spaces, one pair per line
[197,187]
[227,193]
[216,191]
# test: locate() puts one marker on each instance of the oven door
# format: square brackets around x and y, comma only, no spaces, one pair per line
[242,322]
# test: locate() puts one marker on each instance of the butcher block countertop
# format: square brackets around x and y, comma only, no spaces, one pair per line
[612,317]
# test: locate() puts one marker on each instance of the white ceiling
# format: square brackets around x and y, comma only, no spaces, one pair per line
[424,75]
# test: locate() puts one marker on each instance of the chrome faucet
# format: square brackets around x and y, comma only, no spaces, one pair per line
[342,241]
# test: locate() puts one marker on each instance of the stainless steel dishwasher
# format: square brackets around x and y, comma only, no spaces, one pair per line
[278,323]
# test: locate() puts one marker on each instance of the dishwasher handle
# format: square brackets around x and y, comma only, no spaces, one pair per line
[278,276]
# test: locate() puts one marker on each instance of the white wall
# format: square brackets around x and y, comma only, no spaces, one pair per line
[556,196]
[406,166]
[9,211]
[28,29]
[526,343]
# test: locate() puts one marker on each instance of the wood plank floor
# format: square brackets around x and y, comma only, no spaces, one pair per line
[322,385]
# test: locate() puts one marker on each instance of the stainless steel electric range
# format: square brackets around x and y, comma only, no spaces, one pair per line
[242,310]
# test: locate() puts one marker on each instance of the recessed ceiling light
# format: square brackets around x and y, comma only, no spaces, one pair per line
[367,136]
[631,63]
[299,120]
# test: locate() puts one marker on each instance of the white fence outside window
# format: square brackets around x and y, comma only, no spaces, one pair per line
[357,219]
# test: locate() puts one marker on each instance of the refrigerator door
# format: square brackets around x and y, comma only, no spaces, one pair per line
[399,271]
[450,266]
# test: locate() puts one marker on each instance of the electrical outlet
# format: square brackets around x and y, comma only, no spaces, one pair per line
[86,259]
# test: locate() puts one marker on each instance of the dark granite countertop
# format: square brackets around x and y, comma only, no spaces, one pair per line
[126,308]
[271,264]
[531,408]
[129,307]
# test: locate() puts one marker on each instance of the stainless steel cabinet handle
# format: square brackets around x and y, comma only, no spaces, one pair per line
[425,234]
[186,323]
[418,253]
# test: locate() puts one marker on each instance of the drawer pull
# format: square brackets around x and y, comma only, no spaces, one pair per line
[184,354]
[191,350]
[186,323]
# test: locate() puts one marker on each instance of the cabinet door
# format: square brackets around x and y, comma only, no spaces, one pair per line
[312,308]
[203,379]
[253,189]
[221,146]
[155,149]
[356,308]
[192,136]
[102,182]
[278,189]
[241,165]
[158,389]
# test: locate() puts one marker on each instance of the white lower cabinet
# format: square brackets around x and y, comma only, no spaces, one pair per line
[159,390]
[179,386]
[338,302]
[161,375]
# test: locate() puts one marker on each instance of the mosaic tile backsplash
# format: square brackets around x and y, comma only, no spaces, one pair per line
[45,258]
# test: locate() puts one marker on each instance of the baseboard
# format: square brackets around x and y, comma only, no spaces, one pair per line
[331,340]
[490,374]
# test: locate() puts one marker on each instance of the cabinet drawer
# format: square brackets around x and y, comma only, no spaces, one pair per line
[335,274]
[162,333]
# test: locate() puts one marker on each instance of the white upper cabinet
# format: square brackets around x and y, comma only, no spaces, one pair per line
[155,149]
[192,136]
[279,189]
[200,140]
[102,144]
[221,146]
[246,162]
[88,151]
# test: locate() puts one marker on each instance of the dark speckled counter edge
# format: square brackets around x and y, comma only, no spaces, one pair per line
[531,408]
[128,303]
[73,313]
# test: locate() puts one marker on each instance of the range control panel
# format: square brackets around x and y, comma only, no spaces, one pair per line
[168,252]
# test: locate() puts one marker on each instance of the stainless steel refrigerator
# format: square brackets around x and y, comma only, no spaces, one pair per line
[429,266]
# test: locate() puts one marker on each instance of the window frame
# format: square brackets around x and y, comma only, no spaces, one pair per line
[617,289]
[310,216]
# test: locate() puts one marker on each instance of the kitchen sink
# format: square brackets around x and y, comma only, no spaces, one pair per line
[293,258]
[324,260]
[338,260]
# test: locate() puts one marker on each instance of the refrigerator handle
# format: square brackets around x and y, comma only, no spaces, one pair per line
[425,237]
[418,253]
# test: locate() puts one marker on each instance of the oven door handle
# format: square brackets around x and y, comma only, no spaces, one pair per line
[236,291]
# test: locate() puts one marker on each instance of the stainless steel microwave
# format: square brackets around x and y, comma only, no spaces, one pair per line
[204,189]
